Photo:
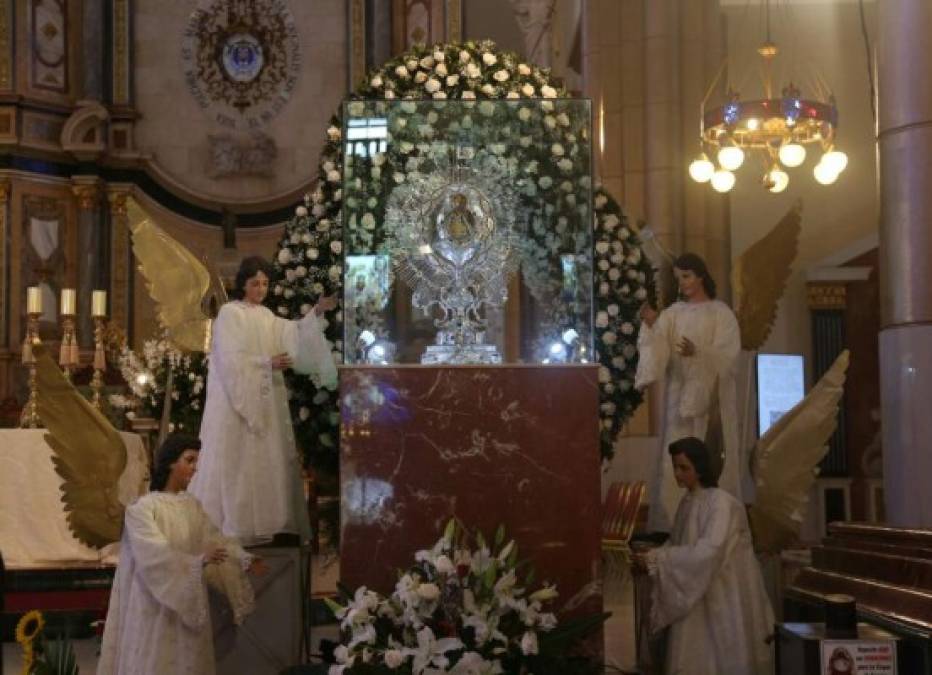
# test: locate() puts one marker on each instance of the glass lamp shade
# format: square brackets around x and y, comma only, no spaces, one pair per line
[701,169]
[792,154]
[723,181]
[731,157]
[777,179]
[835,160]
[824,174]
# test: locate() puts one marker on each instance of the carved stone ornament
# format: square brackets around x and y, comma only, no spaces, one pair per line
[252,155]
[241,59]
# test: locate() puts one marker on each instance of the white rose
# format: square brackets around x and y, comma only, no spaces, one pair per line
[557,150]
[524,69]
[398,177]
[439,56]
[335,272]
[548,91]
[601,247]
[488,58]
[603,265]
[627,328]
[612,309]
[501,75]
[465,57]
[420,77]
[601,320]
[432,85]
[452,80]
[524,114]
[512,95]
[563,119]
[609,338]
[300,271]
[376,81]
[469,95]
[439,94]
[550,122]
[600,201]
[527,89]
[289,276]
[604,288]
[336,247]
[389,93]
[402,72]
[488,90]
[411,64]
[525,141]
[393,658]
[333,176]
[472,70]
[545,182]
[428,591]
[565,165]
[441,69]
[284,256]
[312,253]
[368,221]
[334,133]
[614,274]
[546,106]
[301,212]
[427,62]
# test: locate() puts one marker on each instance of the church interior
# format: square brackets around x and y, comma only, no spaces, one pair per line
[552,336]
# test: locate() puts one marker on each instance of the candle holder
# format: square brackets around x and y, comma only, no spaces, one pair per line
[29,419]
[68,354]
[100,362]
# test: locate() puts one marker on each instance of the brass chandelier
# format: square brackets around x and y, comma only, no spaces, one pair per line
[777,130]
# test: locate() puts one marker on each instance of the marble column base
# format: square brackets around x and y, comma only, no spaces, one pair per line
[906,404]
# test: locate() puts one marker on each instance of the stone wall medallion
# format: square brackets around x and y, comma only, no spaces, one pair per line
[241,60]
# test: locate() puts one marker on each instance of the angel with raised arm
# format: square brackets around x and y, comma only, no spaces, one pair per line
[692,346]
[249,479]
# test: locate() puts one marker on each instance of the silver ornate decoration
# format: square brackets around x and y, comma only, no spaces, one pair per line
[451,238]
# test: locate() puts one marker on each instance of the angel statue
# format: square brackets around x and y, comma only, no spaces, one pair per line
[250,472]
[693,346]
[170,551]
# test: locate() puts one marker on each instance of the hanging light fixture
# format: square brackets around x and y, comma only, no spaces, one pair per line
[773,127]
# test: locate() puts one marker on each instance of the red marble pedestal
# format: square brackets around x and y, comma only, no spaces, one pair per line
[507,444]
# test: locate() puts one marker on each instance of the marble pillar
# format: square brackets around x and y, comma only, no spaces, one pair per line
[905,147]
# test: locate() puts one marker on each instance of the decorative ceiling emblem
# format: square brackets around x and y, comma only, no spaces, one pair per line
[241,59]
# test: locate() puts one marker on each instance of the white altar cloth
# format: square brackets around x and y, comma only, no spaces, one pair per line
[33,529]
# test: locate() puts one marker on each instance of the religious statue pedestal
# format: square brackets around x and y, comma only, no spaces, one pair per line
[512,444]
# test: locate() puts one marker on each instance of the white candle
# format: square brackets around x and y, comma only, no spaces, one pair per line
[99,303]
[34,300]
[69,302]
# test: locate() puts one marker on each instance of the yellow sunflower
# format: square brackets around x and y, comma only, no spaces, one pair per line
[29,627]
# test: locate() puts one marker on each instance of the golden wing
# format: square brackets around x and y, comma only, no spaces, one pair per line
[89,455]
[759,278]
[177,282]
[785,459]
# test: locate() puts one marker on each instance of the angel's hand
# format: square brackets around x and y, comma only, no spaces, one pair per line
[686,347]
[281,362]
[325,304]
[648,314]
[215,555]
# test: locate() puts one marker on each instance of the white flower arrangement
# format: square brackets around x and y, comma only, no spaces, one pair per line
[460,609]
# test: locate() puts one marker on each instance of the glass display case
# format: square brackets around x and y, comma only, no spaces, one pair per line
[467,231]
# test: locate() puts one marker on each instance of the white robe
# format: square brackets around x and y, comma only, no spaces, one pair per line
[249,470]
[690,381]
[158,621]
[707,587]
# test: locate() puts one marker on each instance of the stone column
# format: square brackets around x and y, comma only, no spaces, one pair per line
[120,296]
[93,252]
[905,146]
